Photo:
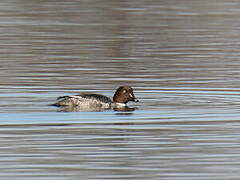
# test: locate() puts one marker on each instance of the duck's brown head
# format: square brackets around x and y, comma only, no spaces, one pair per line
[124,94]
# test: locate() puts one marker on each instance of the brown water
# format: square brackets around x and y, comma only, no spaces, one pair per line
[181,58]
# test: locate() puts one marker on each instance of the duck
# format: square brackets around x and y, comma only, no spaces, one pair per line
[121,97]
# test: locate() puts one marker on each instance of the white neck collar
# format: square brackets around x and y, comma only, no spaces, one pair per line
[120,104]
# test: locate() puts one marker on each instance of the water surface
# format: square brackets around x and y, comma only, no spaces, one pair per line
[181,58]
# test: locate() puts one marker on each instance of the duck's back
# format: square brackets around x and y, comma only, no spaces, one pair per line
[89,100]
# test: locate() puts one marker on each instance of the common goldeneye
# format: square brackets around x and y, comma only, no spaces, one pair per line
[122,96]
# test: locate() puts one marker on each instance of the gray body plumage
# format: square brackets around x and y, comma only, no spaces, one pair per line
[87,100]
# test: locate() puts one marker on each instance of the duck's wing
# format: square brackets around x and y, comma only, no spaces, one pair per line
[83,99]
[69,101]
[97,97]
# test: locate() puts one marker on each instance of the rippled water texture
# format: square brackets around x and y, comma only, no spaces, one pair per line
[181,58]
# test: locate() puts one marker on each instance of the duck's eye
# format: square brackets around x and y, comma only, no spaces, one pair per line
[124,91]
